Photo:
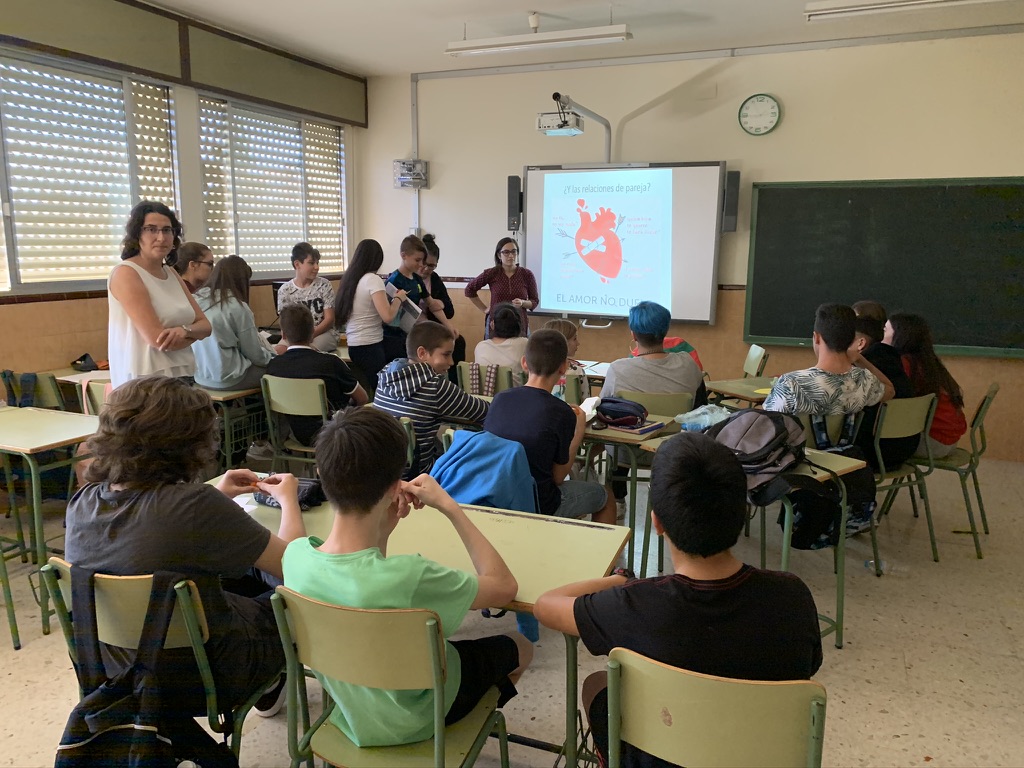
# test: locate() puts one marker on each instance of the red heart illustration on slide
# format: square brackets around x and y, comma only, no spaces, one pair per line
[596,242]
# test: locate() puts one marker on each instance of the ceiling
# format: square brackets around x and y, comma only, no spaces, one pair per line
[390,37]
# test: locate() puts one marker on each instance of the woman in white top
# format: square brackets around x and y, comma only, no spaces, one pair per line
[235,356]
[362,306]
[153,319]
[506,346]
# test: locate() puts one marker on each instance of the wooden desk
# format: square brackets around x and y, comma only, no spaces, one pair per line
[632,444]
[27,432]
[252,414]
[542,552]
[753,389]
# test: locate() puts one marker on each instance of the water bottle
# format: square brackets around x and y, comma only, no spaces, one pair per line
[889,569]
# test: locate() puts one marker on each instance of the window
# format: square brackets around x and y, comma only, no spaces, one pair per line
[76,157]
[270,182]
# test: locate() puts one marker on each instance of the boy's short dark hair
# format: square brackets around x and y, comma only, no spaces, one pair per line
[870,327]
[649,322]
[429,335]
[872,309]
[360,453]
[546,350]
[836,324]
[505,321]
[302,251]
[297,324]
[699,492]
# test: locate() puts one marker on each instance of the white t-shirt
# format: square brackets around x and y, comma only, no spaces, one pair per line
[364,325]
[129,354]
[508,352]
[318,296]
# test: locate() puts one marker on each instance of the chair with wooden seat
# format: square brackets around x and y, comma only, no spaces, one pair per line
[688,718]
[903,417]
[121,612]
[390,649]
[965,464]
[292,397]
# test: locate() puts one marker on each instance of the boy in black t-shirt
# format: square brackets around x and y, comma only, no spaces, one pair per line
[550,431]
[714,614]
[301,361]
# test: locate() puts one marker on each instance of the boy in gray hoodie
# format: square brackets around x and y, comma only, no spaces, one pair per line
[418,387]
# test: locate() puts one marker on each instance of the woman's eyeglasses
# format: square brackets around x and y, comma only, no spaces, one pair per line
[149,229]
[506,252]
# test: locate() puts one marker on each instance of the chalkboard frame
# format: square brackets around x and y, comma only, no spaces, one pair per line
[945,349]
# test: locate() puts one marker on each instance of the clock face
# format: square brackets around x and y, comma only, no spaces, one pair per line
[759,114]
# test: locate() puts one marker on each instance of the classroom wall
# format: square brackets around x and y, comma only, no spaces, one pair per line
[908,110]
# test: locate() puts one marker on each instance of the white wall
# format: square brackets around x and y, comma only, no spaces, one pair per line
[907,110]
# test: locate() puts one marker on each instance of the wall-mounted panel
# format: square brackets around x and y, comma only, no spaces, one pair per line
[230,65]
[133,37]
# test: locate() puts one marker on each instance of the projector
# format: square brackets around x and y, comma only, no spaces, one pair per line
[564,123]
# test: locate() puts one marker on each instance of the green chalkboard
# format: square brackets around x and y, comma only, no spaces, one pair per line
[951,250]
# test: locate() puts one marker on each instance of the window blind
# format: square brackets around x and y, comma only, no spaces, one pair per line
[66,146]
[215,164]
[153,146]
[324,162]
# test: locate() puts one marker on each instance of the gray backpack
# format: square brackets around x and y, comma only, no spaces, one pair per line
[767,444]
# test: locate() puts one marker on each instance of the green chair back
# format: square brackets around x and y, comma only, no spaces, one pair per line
[833,426]
[662,404]
[574,389]
[121,605]
[904,417]
[691,719]
[979,443]
[96,395]
[295,397]
[757,359]
[503,381]
[47,392]
[391,649]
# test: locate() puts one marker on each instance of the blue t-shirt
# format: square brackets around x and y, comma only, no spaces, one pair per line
[414,287]
[544,425]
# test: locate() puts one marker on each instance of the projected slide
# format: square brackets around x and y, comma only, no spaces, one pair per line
[607,240]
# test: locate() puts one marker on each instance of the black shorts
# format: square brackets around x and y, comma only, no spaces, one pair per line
[486,662]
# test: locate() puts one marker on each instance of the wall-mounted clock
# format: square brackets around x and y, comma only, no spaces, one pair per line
[759,114]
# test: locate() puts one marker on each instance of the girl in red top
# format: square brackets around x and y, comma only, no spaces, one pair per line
[912,338]
[508,282]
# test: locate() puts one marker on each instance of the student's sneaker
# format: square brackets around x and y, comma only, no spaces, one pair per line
[620,510]
[271,702]
[528,626]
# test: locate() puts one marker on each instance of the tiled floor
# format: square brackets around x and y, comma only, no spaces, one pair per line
[931,673]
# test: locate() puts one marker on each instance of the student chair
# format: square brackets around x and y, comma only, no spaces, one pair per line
[393,649]
[903,417]
[45,391]
[756,360]
[121,604]
[503,380]
[965,464]
[292,397]
[660,404]
[574,390]
[96,392]
[688,718]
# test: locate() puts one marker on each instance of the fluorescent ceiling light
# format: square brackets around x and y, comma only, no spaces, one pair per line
[616,33]
[826,10]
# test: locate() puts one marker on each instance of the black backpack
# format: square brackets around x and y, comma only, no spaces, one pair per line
[766,443]
[118,722]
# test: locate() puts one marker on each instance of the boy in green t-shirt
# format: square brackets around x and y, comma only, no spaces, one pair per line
[360,456]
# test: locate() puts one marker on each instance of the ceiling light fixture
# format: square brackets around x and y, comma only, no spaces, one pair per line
[613,33]
[826,10]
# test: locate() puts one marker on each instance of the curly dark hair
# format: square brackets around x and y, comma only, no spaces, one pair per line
[153,431]
[133,230]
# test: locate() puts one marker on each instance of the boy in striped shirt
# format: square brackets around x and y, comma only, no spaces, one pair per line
[418,387]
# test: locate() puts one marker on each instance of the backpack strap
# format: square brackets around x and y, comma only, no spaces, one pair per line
[819,428]
[28,390]
[7,376]
[849,431]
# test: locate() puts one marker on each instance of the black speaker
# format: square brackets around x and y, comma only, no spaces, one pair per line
[515,203]
[730,201]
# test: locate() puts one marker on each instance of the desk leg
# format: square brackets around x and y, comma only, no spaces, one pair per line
[14,511]
[841,568]
[633,470]
[787,531]
[226,444]
[571,703]
[40,537]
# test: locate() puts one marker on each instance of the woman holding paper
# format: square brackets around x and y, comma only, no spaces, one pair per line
[508,282]
[362,305]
